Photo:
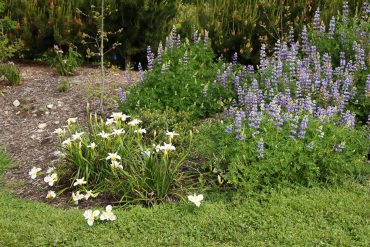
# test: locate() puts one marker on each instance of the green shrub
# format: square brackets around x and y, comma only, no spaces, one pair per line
[11,72]
[327,154]
[66,64]
[115,158]
[182,77]
[44,23]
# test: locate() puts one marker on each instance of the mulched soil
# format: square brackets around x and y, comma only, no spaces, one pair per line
[26,143]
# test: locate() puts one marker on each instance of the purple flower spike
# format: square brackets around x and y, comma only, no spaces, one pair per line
[150,57]
[316,20]
[367,86]
[339,148]
[159,54]
[235,58]
[263,56]
[185,59]
[331,27]
[206,38]
[141,72]
[260,148]
[303,127]
[122,94]
[345,11]
[291,35]
[229,128]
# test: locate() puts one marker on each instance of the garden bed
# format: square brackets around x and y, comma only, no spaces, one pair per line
[41,103]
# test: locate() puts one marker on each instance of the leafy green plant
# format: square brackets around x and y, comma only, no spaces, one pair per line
[114,157]
[182,78]
[11,72]
[66,64]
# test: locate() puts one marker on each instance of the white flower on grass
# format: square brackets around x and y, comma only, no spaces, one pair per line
[92,145]
[109,121]
[51,179]
[76,197]
[113,157]
[67,142]
[80,181]
[104,135]
[118,132]
[140,131]
[89,194]
[51,195]
[196,199]
[77,136]
[59,132]
[50,170]
[115,164]
[108,214]
[171,134]
[33,172]
[167,147]
[71,120]
[134,122]
[90,216]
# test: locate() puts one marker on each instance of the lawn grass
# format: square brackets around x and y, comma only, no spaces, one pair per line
[291,217]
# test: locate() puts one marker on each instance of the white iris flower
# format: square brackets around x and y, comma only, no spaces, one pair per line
[77,136]
[60,132]
[51,179]
[171,134]
[80,181]
[118,132]
[50,170]
[89,194]
[67,142]
[108,214]
[196,199]
[115,164]
[104,135]
[90,216]
[113,157]
[77,196]
[140,131]
[33,172]
[167,147]
[134,122]
[51,195]
[109,121]
[92,145]
[71,120]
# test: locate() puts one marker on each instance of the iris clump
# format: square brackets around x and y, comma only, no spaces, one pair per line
[115,157]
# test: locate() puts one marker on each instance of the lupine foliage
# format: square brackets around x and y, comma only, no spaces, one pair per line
[296,98]
[181,77]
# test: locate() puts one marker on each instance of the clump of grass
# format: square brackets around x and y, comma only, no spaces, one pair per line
[63,86]
[11,72]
